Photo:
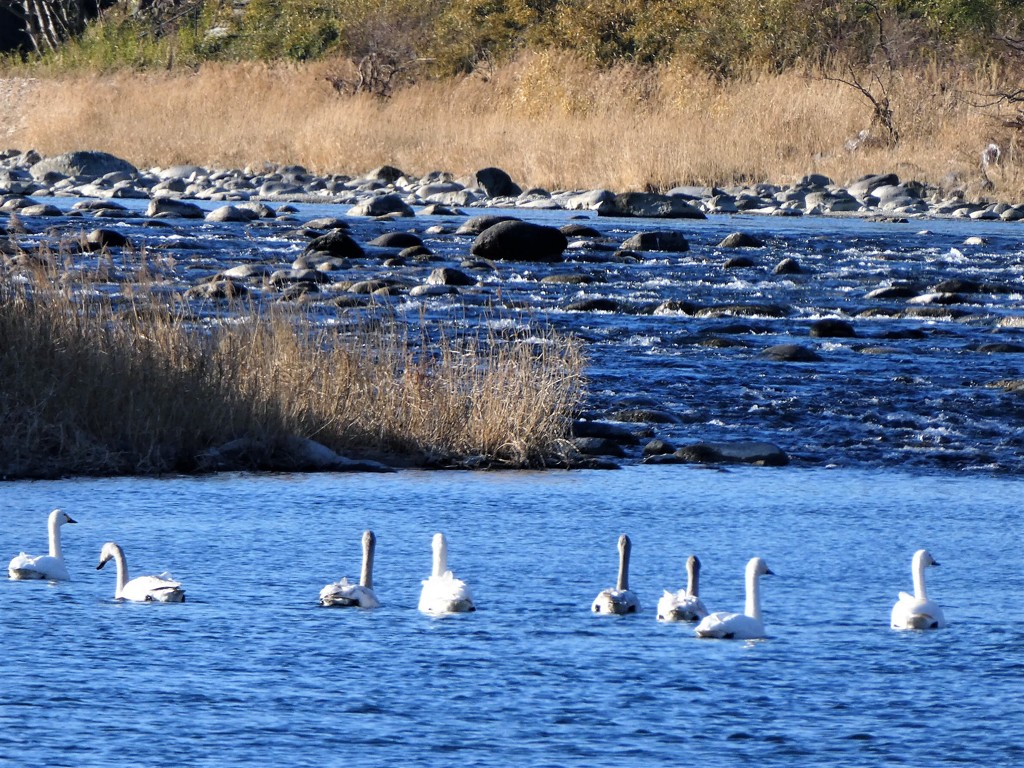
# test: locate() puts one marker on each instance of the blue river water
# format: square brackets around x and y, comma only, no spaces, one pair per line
[929,377]
[250,671]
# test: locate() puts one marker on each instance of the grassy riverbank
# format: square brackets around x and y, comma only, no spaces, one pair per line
[98,387]
[550,119]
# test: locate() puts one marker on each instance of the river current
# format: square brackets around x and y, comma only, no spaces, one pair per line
[931,377]
[897,441]
[251,671]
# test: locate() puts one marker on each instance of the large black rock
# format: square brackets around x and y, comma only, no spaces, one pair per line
[520,241]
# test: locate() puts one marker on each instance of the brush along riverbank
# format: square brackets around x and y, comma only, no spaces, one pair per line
[93,385]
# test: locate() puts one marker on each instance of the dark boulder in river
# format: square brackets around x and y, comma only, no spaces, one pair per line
[788,266]
[650,205]
[740,240]
[98,239]
[474,225]
[673,242]
[832,328]
[496,183]
[336,243]
[520,241]
[396,240]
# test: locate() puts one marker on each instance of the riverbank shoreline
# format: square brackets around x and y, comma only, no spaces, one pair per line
[196,242]
[548,120]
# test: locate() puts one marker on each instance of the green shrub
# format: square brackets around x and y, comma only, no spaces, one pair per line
[451,37]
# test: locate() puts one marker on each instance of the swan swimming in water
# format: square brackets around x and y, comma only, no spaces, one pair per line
[142,589]
[622,599]
[917,611]
[740,626]
[341,594]
[51,566]
[684,605]
[442,592]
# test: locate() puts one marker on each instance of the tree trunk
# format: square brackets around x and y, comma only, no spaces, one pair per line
[49,22]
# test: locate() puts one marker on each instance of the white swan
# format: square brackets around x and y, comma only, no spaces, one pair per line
[684,605]
[143,589]
[442,592]
[740,626]
[341,594]
[622,599]
[49,566]
[917,611]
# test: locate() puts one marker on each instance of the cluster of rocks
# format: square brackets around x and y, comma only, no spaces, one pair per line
[328,268]
[389,191]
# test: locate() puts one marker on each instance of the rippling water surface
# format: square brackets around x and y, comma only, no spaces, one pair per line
[250,671]
[917,386]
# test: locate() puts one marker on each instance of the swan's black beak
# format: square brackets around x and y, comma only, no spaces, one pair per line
[100,566]
[769,572]
[70,519]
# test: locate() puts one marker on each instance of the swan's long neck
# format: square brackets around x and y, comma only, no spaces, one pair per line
[622,584]
[53,527]
[366,577]
[693,577]
[753,606]
[919,591]
[122,568]
[440,555]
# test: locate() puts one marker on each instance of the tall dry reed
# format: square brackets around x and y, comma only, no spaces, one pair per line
[103,387]
[548,119]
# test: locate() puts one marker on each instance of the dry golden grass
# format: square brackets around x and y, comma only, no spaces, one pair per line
[94,387]
[547,119]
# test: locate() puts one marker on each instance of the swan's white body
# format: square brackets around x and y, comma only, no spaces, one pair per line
[51,566]
[622,599]
[916,611]
[684,605]
[142,589]
[341,594]
[740,626]
[442,592]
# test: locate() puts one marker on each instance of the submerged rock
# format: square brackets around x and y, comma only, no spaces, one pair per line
[739,452]
[832,328]
[791,353]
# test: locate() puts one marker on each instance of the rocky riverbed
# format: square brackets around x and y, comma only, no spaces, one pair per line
[880,323]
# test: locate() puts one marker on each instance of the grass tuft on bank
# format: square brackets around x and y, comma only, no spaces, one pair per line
[93,386]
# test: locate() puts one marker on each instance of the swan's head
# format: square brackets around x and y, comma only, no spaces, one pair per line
[108,553]
[59,516]
[624,543]
[369,539]
[693,564]
[758,567]
[924,558]
[438,543]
